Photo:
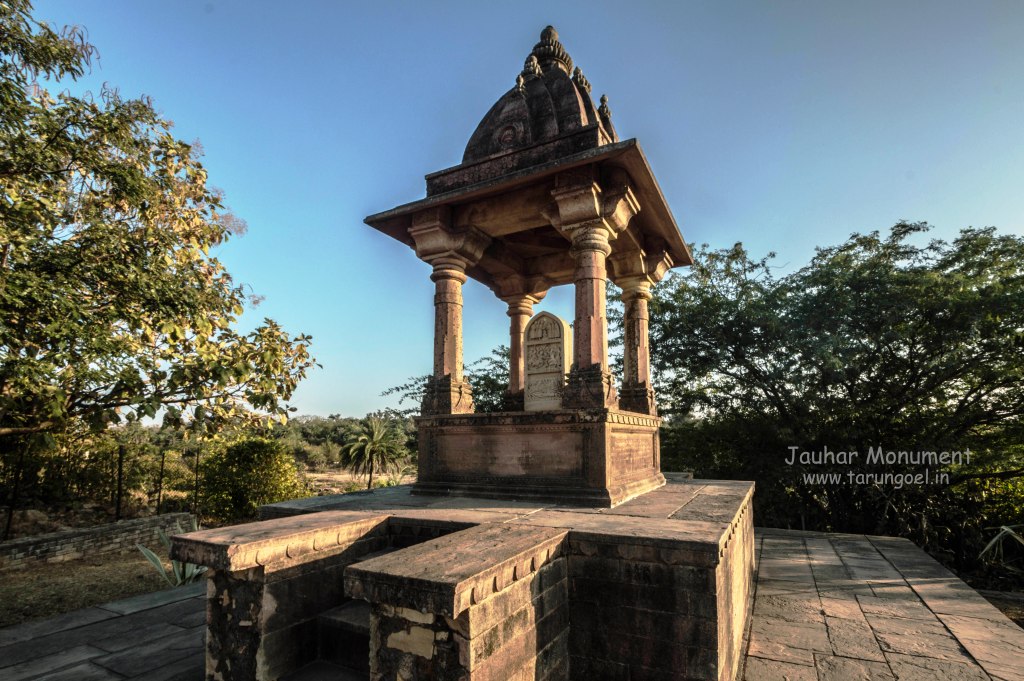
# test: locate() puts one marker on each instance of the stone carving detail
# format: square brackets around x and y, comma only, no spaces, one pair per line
[547,357]
[544,327]
[548,340]
[544,387]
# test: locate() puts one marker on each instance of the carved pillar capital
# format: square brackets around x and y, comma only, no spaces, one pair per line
[442,245]
[591,217]
[450,252]
[634,287]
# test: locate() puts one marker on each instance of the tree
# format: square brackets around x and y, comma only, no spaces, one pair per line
[878,342]
[111,306]
[373,445]
[489,377]
[240,478]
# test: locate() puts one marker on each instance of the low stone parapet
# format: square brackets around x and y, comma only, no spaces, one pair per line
[655,588]
[487,603]
[269,581]
[56,547]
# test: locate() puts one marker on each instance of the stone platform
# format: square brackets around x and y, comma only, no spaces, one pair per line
[658,587]
[589,457]
[828,608]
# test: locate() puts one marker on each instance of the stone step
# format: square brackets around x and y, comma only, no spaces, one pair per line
[325,671]
[354,616]
[344,635]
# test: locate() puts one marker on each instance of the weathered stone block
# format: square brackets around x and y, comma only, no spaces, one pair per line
[596,457]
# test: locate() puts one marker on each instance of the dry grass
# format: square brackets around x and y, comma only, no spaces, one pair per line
[49,589]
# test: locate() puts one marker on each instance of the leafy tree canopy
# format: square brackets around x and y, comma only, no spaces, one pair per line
[111,305]
[243,476]
[878,342]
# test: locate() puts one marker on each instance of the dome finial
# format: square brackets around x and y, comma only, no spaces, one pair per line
[550,52]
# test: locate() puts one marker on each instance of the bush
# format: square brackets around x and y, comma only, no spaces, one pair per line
[242,477]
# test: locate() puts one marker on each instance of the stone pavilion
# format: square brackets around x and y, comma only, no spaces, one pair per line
[540,543]
[546,195]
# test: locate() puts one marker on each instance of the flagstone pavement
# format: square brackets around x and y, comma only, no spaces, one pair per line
[827,607]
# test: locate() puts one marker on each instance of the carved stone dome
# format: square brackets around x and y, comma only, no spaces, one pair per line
[550,100]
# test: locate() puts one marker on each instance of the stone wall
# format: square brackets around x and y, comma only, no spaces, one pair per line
[489,603]
[56,547]
[657,588]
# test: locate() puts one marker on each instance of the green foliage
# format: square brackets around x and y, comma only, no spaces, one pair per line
[488,376]
[410,394]
[111,305]
[181,573]
[877,342]
[313,440]
[241,477]
[374,445]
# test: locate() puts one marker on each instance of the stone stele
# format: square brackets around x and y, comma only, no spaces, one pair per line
[548,344]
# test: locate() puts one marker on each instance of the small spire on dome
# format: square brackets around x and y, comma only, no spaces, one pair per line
[531,69]
[603,110]
[581,80]
[549,51]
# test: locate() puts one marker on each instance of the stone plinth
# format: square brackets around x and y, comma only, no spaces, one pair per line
[656,588]
[597,457]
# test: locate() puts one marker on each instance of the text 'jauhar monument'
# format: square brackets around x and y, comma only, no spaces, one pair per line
[540,542]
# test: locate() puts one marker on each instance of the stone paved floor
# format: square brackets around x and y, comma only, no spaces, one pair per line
[827,607]
[832,606]
[157,637]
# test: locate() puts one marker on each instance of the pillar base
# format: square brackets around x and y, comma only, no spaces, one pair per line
[445,396]
[590,388]
[514,401]
[638,399]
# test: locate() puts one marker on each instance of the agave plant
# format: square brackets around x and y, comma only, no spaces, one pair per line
[995,547]
[181,573]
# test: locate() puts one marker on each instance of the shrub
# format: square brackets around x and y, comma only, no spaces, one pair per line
[242,477]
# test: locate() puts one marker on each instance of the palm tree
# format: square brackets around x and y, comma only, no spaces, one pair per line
[374,444]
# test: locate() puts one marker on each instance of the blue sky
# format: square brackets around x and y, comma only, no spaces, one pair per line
[785,125]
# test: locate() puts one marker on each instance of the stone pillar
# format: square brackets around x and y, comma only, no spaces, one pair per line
[636,393]
[520,309]
[590,382]
[447,390]
[591,218]
[450,251]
